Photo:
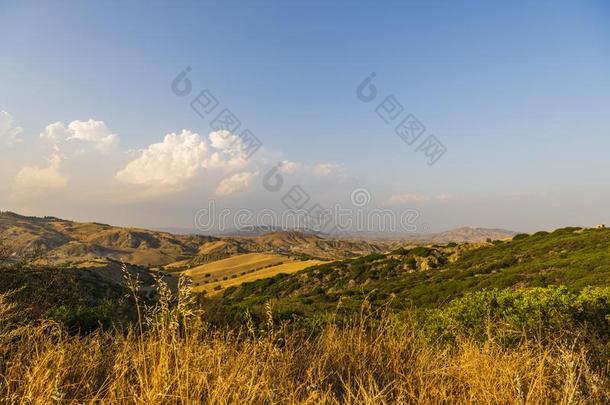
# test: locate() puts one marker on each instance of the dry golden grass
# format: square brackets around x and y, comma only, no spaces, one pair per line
[234,266]
[211,246]
[178,359]
[286,268]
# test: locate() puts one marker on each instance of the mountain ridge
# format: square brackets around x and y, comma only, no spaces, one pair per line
[60,239]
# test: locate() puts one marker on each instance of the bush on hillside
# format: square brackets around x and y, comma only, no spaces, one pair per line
[508,315]
[84,320]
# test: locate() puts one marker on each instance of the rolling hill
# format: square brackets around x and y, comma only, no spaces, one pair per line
[68,241]
[470,235]
[433,275]
[215,276]
[96,247]
[62,241]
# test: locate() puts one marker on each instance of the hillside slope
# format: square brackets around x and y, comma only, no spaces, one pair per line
[471,235]
[430,276]
[62,241]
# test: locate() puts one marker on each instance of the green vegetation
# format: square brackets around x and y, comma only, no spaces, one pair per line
[519,321]
[83,319]
[507,316]
[428,277]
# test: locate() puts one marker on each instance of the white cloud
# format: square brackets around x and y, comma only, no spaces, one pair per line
[32,180]
[325,169]
[171,162]
[228,151]
[83,157]
[9,130]
[55,132]
[95,132]
[234,183]
[91,131]
[289,167]
[181,157]
[224,140]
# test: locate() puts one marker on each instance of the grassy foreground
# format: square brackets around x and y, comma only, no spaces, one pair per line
[171,355]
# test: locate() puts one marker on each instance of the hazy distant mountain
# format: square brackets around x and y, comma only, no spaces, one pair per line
[255,230]
[63,240]
[260,230]
[458,235]
[468,234]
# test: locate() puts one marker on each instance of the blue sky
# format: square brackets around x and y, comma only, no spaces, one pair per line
[518,93]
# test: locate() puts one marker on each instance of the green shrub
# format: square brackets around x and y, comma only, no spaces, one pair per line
[508,315]
[541,233]
[83,319]
[422,251]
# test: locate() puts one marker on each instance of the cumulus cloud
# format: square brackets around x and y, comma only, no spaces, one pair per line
[289,167]
[9,130]
[93,132]
[177,159]
[224,140]
[181,157]
[83,157]
[236,182]
[225,152]
[33,180]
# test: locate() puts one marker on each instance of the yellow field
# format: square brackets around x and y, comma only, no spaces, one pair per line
[211,246]
[177,265]
[234,265]
[205,249]
[291,266]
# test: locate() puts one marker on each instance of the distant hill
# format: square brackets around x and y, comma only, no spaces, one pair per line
[458,235]
[90,244]
[68,241]
[63,240]
[244,231]
[264,230]
[468,234]
[295,242]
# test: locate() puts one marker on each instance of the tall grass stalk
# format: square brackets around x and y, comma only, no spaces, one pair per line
[174,357]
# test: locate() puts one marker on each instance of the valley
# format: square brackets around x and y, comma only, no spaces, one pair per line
[100,298]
